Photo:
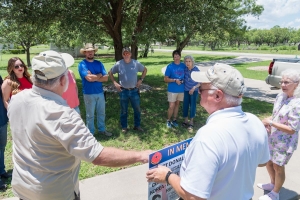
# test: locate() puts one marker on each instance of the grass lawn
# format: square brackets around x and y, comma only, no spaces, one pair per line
[154,107]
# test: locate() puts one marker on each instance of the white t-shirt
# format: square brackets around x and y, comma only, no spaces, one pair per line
[221,160]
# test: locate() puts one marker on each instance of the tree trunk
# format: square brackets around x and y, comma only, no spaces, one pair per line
[146,50]
[28,56]
[113,23]
[134,50]
[181,45]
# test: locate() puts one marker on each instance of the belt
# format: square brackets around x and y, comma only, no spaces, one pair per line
[128,88]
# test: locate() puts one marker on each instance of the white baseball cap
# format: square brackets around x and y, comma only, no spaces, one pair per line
[51,63]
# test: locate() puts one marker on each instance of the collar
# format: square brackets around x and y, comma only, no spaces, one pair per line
[47,94]
[225,113]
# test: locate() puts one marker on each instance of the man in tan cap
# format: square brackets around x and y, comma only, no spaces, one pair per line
[93,73]
[220,162]
[50,139]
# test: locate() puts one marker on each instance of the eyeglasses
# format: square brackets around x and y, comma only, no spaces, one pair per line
[201,90]
[286,82]
[126,53]
[18,66]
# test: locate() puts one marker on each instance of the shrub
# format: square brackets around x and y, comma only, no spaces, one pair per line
[283,48]
[264,48]
[17,51]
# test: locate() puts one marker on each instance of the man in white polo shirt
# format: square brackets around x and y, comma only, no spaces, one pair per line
[50,139]
[221,160]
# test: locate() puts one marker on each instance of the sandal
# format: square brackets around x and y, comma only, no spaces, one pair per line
[184,124]
[190,127]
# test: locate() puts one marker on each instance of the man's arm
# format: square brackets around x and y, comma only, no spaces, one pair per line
[142,77]
[158,175]
[113,157]
[96,77]
[112,78]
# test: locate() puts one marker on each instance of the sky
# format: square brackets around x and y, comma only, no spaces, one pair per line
[284,13]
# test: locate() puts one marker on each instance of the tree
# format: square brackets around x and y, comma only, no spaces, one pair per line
[24,35]
[15,29]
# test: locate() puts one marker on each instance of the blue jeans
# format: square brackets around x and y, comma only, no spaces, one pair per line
[3,140]
[77,109]
[95,102]
[190,101]
[134,98]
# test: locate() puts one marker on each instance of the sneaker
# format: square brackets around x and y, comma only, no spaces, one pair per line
[174,123]
[267,186]
[190,127]
[270,196]
[3,186]
[124,130]
[169,125]
[106,133]
[138,129]
[6,175]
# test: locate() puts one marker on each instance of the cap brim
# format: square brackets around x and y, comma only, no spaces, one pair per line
[200,77]
[69,60]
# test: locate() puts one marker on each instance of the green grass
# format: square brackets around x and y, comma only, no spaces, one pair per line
[154,107]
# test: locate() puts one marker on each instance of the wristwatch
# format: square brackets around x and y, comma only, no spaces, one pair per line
[270,122]
[141,79]
[167,176]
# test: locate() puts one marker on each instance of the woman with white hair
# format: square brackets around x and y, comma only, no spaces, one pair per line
[190,92]
[283,127]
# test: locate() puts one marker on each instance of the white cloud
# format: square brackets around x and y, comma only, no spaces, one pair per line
[276,12]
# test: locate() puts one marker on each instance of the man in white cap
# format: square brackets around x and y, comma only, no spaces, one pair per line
[93,73]
[221,160]
[50,139]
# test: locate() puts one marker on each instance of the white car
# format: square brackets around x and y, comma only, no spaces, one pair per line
[279,65]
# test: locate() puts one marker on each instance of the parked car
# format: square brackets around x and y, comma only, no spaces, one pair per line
[277,66]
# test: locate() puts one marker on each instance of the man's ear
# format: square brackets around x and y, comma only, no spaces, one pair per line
[63,80]
[219,95]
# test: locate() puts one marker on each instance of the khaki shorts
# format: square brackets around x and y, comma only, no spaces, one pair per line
[172,97]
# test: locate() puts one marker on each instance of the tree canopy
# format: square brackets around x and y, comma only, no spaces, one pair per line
[130,22]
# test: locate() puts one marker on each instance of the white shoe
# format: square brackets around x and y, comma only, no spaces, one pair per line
[270,196]
[267,186]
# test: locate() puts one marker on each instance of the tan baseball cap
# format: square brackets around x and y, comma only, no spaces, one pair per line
[51,63]
[223,76]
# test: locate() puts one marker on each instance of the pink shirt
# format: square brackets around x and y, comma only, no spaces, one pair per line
[71,94]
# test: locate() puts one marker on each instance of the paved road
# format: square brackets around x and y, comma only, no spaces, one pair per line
[246,55]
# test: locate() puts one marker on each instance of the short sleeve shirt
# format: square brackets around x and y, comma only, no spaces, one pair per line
[189,83]
[175,71]
[223,156]
[95,67]
[49,141]
[286,111]
[127,72]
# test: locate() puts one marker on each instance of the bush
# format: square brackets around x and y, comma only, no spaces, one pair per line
[293,48]
[17,51]
[264,48]
[283,48]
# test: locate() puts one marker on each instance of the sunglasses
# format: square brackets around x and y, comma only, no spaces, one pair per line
[18,66]
[126,53]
